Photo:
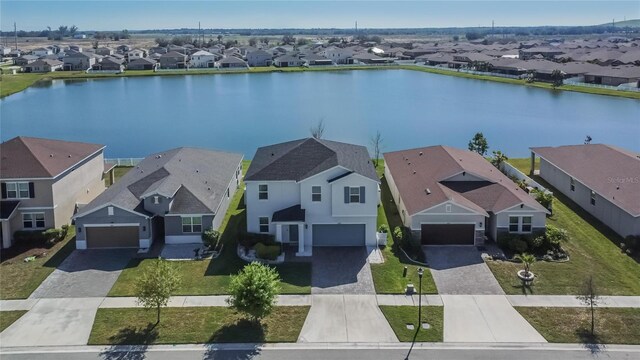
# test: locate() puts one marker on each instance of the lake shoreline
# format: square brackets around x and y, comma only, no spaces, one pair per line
[28,80]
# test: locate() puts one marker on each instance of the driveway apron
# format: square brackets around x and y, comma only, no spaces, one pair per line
[341,270]
[346,318]
[460,270]
[85,273]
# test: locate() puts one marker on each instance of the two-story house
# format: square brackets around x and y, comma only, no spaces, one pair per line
[259,58]
[171,196]
[313,192]
[74,60]
[43,180]
[450,196]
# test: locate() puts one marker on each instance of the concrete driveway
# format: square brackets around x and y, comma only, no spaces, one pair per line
[486,319]
[346,318]
[85,273]
[53,322]
[460,270]
[341,270]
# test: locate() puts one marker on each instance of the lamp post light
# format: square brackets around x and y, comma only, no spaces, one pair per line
[420,273]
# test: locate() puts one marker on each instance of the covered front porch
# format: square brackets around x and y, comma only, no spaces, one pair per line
[290,226]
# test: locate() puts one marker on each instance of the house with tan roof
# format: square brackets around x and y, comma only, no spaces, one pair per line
[44,180]
[450,196]
[602,179]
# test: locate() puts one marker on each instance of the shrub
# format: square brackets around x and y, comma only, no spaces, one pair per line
[518,245]
[411,246]
[554,236]
[535,242]
[398,234]
[267,252]
[384,228]
[544,198]
[53,235]
[254,290]
[249,240]
[503,240]
[35,237]
[211,238]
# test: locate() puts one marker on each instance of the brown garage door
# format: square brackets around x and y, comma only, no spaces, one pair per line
[449,234]
[112,237]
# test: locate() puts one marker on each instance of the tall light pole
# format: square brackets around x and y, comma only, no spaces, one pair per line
[420,273]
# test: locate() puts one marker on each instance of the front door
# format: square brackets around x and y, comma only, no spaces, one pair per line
[293,233]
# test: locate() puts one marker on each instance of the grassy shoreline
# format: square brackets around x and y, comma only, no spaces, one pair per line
[11,84]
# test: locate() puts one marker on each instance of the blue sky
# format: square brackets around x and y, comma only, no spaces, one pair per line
[153,14]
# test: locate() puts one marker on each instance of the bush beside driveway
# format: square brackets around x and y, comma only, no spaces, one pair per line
[592,249]
[135,326]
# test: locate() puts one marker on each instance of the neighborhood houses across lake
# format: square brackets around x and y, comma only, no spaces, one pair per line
[138,116]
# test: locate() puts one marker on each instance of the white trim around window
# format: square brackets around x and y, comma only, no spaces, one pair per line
[316,193]
[263,224]
[520,224]
[18,190]
[191,224]
[263,192]
[33,221]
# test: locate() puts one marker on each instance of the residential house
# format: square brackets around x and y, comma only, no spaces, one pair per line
[369,58]
[40,52]
[171,196]
[259,58]
[43,180]
[338,55]
[74,60]
[231,62]
[173,60]
[4,50]
[104,51]
[43,66]
[602,179]
[288,61]
[24,60]
[142,64]
[544,52]
[450,196]
[74,47]
[110,63]
[313,192]
[614,76]
[134,54]
[312,59]
[203,59]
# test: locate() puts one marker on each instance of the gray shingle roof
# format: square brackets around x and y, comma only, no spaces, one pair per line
[196,179]
[299,159]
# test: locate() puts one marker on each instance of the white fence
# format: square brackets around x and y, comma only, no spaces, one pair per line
[474,72]
[579,81]
[123,161]
[510,170]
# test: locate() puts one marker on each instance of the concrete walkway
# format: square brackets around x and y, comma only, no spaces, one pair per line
[345,318]
[485,319]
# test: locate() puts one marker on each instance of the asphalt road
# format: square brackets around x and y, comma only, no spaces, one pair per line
[506,352]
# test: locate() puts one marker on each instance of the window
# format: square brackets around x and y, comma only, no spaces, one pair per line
[110,210]
[513,224]
[156,200]
[354,195]
[316,193]
[192,224]
[263,192]
[572,184]
[33,220]
[448,208]
[593,197]
[18,190]
[264,224]
[526,224]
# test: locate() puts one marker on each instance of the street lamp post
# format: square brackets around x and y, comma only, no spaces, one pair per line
[420,273]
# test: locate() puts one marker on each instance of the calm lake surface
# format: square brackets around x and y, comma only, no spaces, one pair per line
[138,116]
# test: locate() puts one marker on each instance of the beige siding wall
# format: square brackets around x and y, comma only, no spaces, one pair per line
[79,185]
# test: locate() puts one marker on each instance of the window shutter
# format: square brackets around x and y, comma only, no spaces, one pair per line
[4,190]
[362,194]
[346,194]
[32,192]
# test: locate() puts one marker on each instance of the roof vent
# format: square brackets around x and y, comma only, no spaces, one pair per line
[414,172]
[409,163]
[50,155]
[272,154]
[420,153]
[69,156]
[427,191]
[618,187]
[209,188]
[197,170]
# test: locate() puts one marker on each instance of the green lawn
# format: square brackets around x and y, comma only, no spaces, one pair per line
[212,277]
[10,84]
[593,250]
[573,325]
[18,279]
[118,172]
[387,277]
[399,316]
[9,317]
[131,326]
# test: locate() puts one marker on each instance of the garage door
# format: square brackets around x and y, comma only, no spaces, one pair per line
[112,237]
[449,234]
[339,235]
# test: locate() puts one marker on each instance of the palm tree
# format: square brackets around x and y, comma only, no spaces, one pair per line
[527,260]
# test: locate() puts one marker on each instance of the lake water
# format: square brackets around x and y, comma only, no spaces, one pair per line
[239,112]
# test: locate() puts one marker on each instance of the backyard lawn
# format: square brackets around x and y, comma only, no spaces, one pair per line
[212,277]
[131,326]
[399,316]
[118,172]
[592,249]
[18,279]
[9,317]
[573,325]
[387,277]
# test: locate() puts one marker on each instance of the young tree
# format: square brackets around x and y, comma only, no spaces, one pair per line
[318,130]
[557,76]
[479,144]
[254,290]
[590,297]
[156,285]
[498,159]
[527,260]
[72,30]
[587,140]
[288,39]
[219,37]
[376,146]
[162,41]
[253,41]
